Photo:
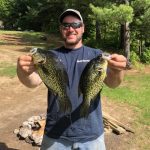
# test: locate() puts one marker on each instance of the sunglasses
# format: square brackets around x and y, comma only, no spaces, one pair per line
[74,25]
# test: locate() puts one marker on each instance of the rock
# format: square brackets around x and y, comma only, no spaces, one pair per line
[29,140]
[25,132]
[16,131]
[26,124]
[32,130]
[37,139]
[34,118]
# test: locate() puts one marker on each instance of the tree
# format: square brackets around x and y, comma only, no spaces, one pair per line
[115,14]
[141,24]
[125,36]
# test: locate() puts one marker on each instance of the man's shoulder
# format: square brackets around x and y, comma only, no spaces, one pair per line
[93,50]
[55,50]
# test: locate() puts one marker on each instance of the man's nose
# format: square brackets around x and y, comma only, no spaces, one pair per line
[71,28]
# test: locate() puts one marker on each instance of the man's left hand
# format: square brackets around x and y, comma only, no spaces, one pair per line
[117,62]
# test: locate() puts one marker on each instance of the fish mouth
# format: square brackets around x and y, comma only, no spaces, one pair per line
[33,51]
[41,59]
[106,56]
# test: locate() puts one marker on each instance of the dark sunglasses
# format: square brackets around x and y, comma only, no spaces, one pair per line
[74,25]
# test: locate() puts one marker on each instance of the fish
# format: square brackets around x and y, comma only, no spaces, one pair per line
[91,82]
[53,74]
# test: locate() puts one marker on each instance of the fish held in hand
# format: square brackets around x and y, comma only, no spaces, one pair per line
[91,82]
[53,74]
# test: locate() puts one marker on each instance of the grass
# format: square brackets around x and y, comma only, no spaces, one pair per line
[135,91]
[28,37]
[33,39]
[2,42]
[7,69]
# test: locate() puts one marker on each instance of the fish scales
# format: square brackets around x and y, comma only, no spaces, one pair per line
[54,75]
[91,82]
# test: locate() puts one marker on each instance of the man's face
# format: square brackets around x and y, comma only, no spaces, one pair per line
[72,30]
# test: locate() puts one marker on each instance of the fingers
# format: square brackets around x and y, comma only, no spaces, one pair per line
[117,62]
[25,58]
[119,58]
[25,64]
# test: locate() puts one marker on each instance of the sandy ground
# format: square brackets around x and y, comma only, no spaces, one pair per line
[18,103]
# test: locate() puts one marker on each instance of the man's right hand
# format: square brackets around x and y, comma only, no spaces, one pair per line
[26,71]
[25,64]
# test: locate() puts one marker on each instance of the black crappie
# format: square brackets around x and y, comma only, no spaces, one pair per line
[53,74]
[91,82]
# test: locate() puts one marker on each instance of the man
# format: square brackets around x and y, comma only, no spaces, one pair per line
[70,131]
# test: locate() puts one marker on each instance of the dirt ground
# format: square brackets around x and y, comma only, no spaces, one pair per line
[18,103]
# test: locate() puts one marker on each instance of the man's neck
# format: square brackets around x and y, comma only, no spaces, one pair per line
[71,46]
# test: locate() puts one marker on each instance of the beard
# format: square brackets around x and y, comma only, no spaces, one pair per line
[72,42]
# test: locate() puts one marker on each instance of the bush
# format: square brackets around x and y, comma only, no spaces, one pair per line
[145,58]
[91,42]
[135,61]
[134,58]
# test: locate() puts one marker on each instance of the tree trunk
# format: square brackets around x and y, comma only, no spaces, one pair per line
[125,36]
[127,40]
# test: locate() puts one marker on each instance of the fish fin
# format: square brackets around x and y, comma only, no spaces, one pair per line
[84,111]
[79,91]
[80,87]
[65,105]
[64,72]
[66,78]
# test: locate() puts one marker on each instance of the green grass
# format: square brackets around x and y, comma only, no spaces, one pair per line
[135,90]
[7,69]
[2,42]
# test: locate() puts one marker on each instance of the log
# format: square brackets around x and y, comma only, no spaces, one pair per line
[117,126]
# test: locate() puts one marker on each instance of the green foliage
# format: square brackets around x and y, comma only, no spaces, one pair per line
[145,58]
[120,14]
[140,6]
[4,9]
[135,61]
[134,58]
[102,14]
[146,24]
[141,21]
[93,43]
[110,19]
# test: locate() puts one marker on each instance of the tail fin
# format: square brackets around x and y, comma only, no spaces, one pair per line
[65,104]
[84,111]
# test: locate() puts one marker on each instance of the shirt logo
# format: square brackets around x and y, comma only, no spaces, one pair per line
[84,60]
